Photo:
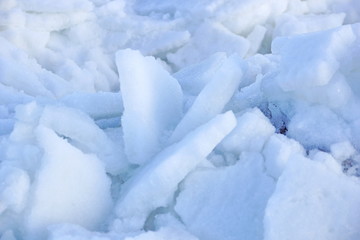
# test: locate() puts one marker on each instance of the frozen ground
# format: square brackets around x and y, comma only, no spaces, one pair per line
[179,120]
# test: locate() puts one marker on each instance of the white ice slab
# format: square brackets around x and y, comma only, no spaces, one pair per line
[152,104]
[154,184]
[212,99]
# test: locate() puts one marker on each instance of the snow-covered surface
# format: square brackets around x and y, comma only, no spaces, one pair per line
[179,119]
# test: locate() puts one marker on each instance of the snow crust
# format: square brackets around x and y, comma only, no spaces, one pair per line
[179,120]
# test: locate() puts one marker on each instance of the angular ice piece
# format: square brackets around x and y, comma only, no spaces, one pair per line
[212,99]
[253,129]
[311,59]
[152,104]
[70,187]
[218,39]
[277,152]
[256,38]
[195,77]
[154,184]
[226,203]
[82,132]
[317,127]
[311,201]
[14,188]
[97,105]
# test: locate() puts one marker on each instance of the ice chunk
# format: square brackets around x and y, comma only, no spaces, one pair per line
[97,105]
[154,184]
[212,99]
[226,203]
[85,135]
[152,102]
[317,127]
[218,39]
[256,38]
[195,77]
[14,188]
[277,152]
[70,187]
[252,131]
[313,202]
[311,59]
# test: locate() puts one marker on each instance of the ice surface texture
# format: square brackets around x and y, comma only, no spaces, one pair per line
[179,119]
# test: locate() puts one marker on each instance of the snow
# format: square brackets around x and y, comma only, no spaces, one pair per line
[179,119]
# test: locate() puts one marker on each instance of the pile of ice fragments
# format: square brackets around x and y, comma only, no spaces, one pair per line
[179,119]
